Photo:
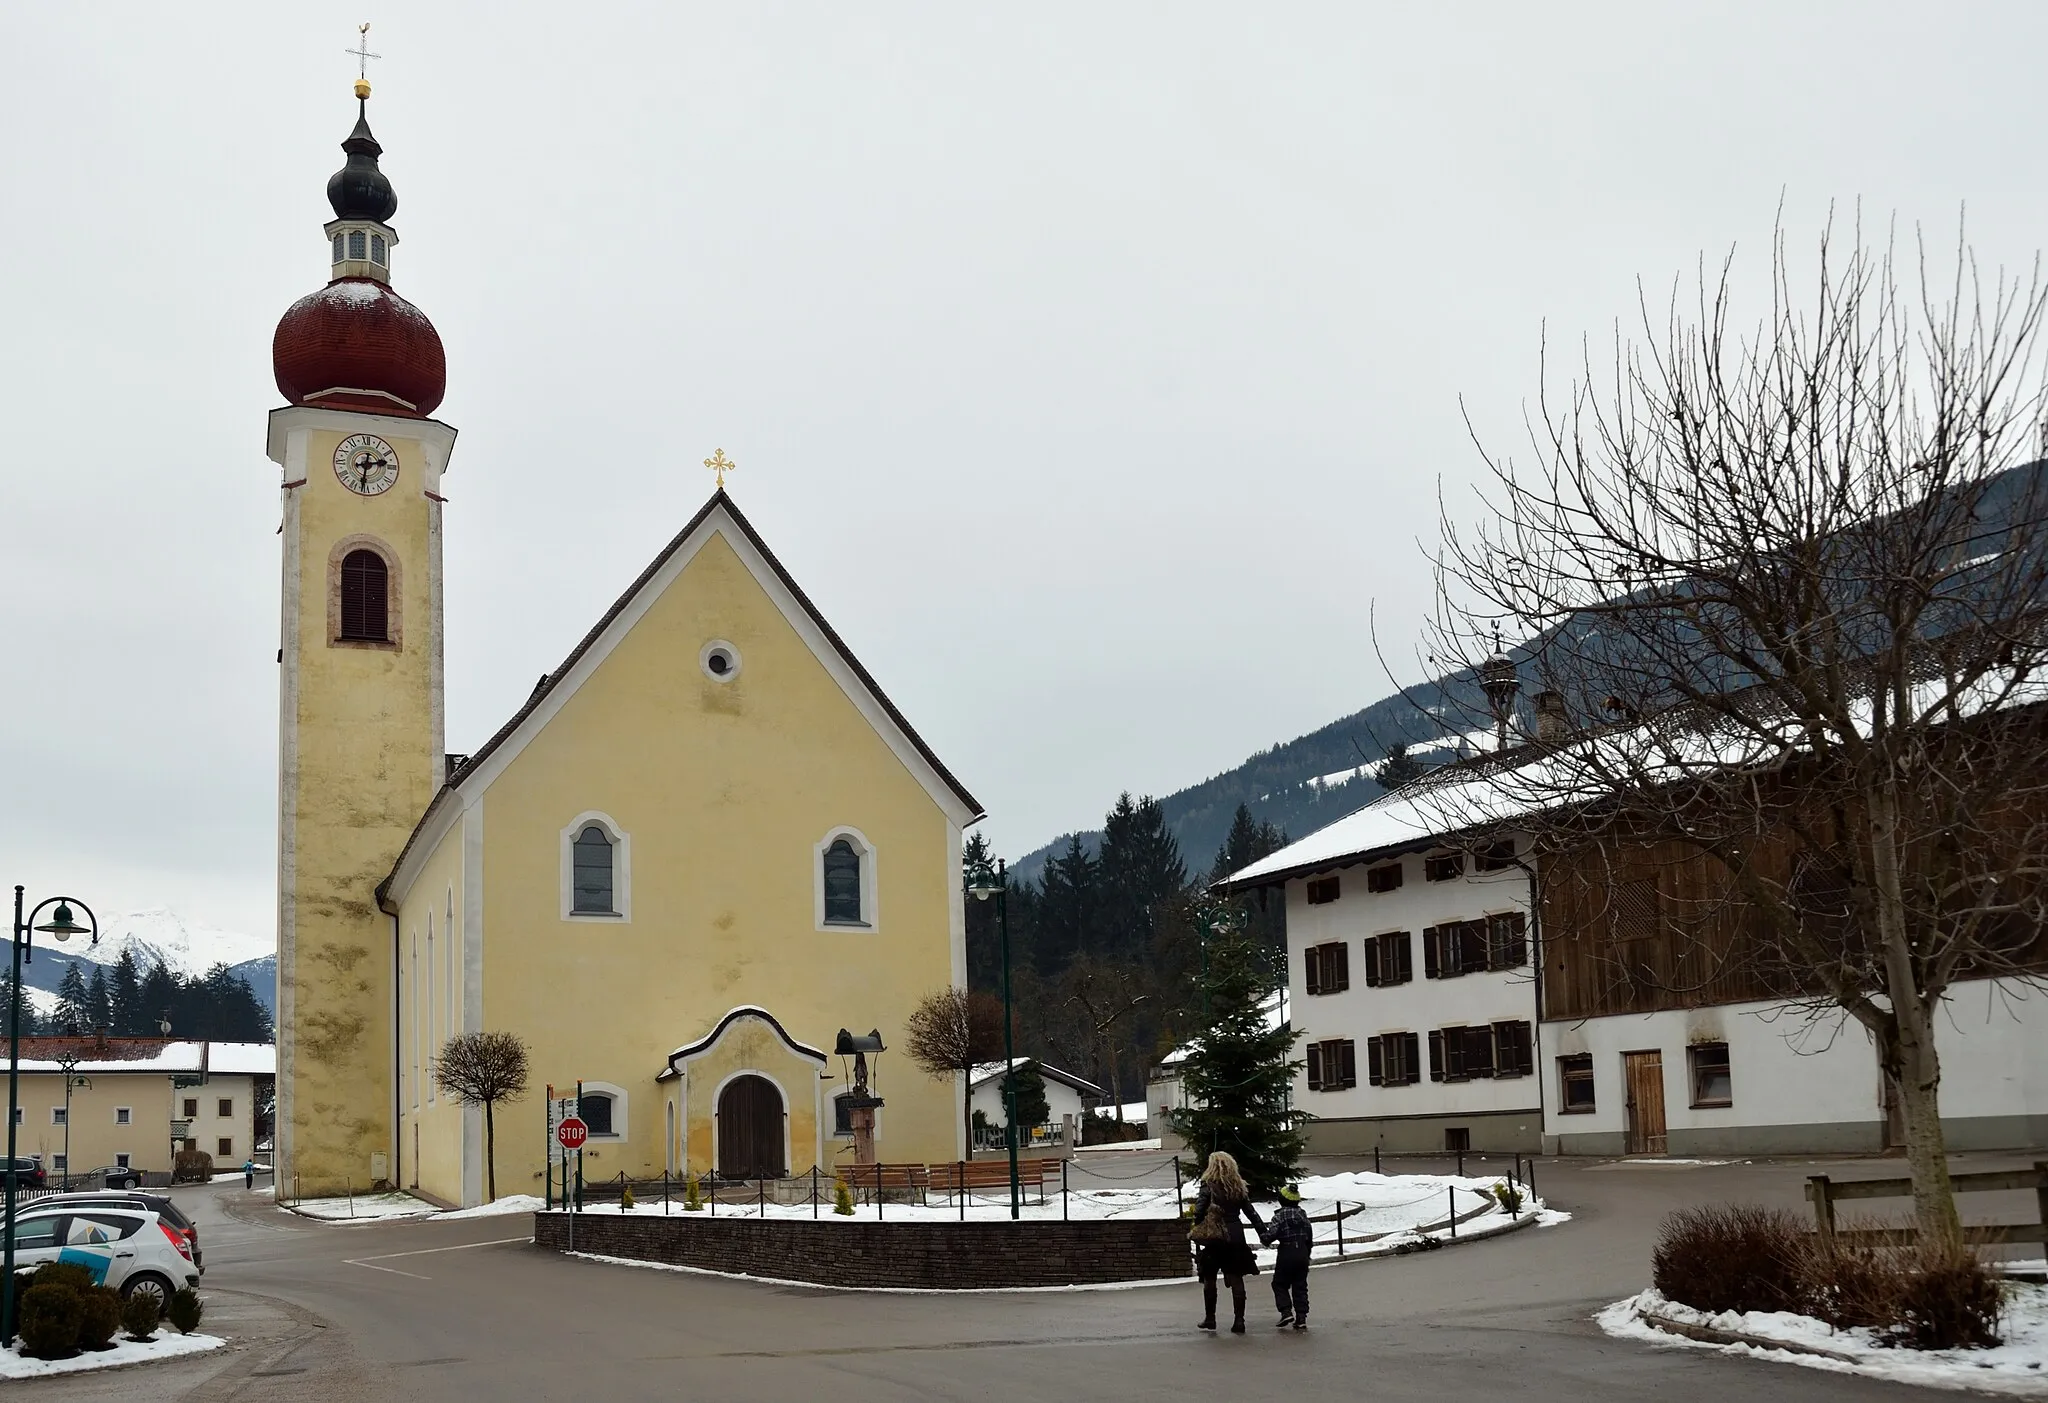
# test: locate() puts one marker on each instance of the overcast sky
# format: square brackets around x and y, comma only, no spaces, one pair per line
[1095,368]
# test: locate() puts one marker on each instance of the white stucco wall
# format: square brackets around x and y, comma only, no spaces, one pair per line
[1804,1083]
[1063,1099]
[1417,1006]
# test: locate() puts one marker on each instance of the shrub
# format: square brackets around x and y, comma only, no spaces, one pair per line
[48,1321]
[99,1316]
[693,1198]
[1731,1257]
[139,1315]
[842,1197]
[61,1274]
[192,1167]
[1509,1195]
[186,1308]
[1948,1302]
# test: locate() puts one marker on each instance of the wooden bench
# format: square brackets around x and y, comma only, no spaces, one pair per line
[988,1175]
[887,1178]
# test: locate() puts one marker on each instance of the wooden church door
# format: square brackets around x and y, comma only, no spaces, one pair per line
[750,1129]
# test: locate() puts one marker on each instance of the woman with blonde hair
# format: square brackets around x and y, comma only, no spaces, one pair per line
[1217,1230]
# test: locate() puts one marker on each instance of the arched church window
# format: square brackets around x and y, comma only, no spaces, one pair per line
[376,248]
[338,248]
[593,873]
[842,884]
[365,597]
[357,244]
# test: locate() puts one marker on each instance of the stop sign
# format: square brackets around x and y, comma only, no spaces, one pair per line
[572,1132]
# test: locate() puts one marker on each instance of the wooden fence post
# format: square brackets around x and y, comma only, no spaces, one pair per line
[1823,1208]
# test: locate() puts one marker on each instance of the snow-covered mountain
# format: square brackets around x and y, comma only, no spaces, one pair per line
[187,948]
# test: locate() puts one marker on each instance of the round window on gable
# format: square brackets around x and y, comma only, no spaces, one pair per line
[720,660]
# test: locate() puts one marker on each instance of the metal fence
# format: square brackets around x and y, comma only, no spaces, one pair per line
[1029,1137]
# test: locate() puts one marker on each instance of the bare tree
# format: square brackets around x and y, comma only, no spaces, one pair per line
[1781,587]
[1105,992]
[956,1030]
[482,1069]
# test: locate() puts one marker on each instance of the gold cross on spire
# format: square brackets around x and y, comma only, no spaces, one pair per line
[721,465]
[362,56]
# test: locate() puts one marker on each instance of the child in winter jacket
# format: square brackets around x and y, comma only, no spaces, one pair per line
[1293,1234]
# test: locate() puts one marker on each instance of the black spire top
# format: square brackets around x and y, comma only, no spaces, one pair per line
[359,190]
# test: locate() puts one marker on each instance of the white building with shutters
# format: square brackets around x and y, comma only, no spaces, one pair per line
[1408,966]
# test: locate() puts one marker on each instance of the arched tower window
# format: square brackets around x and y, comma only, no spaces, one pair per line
[377,248]
[593,872]
[358,243]
[842,884]
[339,250]
[365,597]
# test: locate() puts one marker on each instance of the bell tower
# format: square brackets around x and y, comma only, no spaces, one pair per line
[360,714]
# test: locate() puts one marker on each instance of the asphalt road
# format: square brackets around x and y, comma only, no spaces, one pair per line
[466,1310]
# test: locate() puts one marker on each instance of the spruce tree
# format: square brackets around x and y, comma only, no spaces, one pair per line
[74,1012]
[1140,869]
[125,998]
[159,999]
[29,1023]
[1238,1078]
[1066,905]
[1027,1093]
[1398,768]
[98,1002]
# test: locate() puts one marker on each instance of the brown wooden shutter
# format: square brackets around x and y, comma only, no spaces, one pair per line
[1432,965]
[365,597]
[1375,1062]
[1373,978]
[1514,1056]
[1404,959]
[1315,1066]
[1312,965]
[1454,1054]
[1347,1058]
[1413,1063]
[1479,1051]
[1436,1054]
[1340,972]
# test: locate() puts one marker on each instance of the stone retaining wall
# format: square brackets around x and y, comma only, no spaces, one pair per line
[932,1255]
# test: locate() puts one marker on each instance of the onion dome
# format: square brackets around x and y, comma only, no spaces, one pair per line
[359,190]
[356,344]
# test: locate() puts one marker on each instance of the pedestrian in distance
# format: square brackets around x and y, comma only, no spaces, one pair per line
[1217,1229]
[248,1173]
[1294,1237]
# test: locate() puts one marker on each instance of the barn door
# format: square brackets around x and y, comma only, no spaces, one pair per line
[750,1129]
[1643,1075]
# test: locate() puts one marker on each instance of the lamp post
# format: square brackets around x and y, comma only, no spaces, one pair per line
[63,927]
[999,889]
[67,1063]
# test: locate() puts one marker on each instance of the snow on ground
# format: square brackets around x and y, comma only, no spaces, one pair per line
[363,1208]
[166,1345]
[2018,1367]
[511,1203]
[1382,1211]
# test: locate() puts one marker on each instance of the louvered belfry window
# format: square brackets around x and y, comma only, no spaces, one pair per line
[365,597]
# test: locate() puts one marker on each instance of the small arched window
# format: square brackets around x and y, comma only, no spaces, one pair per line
[376,248]
[365,597]
[842,885]
[593,873]
[357,244]
[338,249]
[595,1109]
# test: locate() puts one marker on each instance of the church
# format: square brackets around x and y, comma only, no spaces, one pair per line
[704,844]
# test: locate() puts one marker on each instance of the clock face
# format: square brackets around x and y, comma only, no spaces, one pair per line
[366,464]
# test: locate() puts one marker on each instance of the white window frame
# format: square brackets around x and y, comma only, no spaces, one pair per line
[121,1160]
[124,1115]
[622,870]
[58,1115]
[622,1121]
[870,885]
[61,1162]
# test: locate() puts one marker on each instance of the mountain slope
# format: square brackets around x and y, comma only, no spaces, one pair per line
[187,948]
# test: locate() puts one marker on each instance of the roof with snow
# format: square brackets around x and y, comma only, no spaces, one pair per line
[989,1071]
[151,1055]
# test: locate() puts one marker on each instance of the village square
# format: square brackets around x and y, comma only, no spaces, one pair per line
[913,450]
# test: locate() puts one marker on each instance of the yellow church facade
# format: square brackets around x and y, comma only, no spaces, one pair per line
[705,843]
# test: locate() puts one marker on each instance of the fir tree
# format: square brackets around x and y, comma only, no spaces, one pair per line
[1066,907]
[1264,912]
[1238,1079]
[124,998]
[98,1003]
[1140,868]
[1027,1087]
[29,1022]
[159,999]
[74,1011]
[1398,768]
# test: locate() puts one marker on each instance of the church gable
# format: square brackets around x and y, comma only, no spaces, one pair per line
[717,577]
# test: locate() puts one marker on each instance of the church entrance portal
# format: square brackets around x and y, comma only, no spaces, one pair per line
[750,1129]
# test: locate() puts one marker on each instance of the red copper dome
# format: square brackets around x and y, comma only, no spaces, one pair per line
[356,344]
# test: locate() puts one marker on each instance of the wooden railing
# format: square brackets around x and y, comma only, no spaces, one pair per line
[1824,1194]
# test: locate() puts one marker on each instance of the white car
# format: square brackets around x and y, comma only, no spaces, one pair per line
[130,1249]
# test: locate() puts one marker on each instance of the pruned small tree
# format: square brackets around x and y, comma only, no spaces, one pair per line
[956,1030]
[482,1069]
[1783,587]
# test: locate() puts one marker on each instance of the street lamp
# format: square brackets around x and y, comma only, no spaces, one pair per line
[67,1063]
[998,887]
[63,927]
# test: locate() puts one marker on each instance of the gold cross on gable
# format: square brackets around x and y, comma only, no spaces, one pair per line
[721,465]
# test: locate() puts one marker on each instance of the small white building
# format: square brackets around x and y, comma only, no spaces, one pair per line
[1065,1095]
[1408,964]
[1165,1093]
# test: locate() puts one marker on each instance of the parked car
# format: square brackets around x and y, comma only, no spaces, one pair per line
[130,1249]
[114,1176]
[27,1173]
[163,1205]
